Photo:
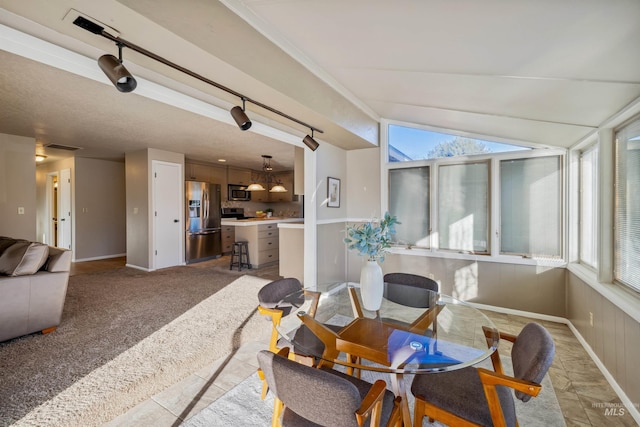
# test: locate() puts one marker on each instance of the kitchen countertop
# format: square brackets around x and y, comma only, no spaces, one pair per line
[257,221]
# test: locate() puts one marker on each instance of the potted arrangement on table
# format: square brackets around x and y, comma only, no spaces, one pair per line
[269,212]
[372,239]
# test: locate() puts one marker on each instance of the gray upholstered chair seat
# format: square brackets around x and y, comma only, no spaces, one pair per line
[460,395]
[363,388]
[461,392]
[318,397]
[306,342]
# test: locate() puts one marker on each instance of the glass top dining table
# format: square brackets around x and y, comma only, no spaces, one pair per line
[415,331]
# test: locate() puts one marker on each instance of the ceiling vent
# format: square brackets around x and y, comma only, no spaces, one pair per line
[62,147]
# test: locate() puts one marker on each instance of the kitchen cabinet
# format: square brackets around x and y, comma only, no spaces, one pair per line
[263,243]
[259,196]
[218,175]
[207,173]
[238,176]
[286,178]
[197,172]
[228,237]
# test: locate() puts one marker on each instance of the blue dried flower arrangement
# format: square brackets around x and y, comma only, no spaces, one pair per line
[372,239]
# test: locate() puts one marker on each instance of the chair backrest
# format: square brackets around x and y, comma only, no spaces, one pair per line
[274,292]
[316,395]
[532,355]
[405,295]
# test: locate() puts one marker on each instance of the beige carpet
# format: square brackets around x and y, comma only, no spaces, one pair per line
[125,336]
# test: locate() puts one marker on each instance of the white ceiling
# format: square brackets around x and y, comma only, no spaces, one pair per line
[541,73]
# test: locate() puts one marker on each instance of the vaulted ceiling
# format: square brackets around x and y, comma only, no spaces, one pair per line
[537,73]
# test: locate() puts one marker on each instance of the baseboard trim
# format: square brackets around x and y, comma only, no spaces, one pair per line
[628,404]
[631,407]
[97,258]
[137,267]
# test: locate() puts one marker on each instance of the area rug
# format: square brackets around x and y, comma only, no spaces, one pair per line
[125,336]
[241,406]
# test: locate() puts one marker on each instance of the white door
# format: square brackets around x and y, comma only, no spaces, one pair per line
[64,209]
[51,237]
[167,214]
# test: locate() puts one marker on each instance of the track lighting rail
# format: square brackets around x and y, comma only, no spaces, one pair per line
[99,30]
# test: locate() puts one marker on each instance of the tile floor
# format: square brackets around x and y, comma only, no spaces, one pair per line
[580,387]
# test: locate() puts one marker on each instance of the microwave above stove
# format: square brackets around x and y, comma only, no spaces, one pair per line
[238,193]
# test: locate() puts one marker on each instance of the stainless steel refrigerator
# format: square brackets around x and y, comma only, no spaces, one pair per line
[203,232]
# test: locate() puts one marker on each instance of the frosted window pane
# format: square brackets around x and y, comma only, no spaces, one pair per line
[463,207]
[530,207]
[409,201]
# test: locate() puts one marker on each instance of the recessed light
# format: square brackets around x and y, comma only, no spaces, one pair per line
[222,160]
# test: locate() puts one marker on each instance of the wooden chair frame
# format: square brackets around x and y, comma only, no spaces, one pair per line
[489,379]
[370,407]
[276,317]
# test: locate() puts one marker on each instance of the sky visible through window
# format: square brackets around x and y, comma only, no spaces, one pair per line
[407,144]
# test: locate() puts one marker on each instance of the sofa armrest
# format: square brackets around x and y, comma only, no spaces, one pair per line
[59,260]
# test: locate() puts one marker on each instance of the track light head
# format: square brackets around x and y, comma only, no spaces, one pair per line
[241,118]
[117,73]
[310,142]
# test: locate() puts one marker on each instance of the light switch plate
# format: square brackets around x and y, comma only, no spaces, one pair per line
[21,210]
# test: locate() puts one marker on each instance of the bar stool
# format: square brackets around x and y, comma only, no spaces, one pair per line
[240,256]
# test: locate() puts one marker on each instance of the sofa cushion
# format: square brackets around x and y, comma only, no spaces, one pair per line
[23,258]
[5,242]
[59,260]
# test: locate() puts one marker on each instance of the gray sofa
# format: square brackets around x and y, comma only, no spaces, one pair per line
[33,287]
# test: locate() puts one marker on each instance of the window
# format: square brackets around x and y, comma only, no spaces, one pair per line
[627,206]
[589,207]
[409,200]
[530,207]
[463,207]
[499,202]
[409,144]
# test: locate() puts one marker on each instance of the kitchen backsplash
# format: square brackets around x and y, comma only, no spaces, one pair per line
[285,209]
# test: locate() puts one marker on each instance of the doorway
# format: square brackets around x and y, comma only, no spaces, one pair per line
[64,209]
[52,200]
[168,234]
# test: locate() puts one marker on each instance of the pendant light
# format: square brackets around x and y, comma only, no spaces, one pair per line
[267,169]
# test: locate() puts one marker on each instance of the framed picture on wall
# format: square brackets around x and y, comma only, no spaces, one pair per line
[333,192]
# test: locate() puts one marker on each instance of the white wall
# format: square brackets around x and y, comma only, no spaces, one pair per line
[363,177]
[330,162]
[138,167]
[137,208]
[100,209]
[17,187]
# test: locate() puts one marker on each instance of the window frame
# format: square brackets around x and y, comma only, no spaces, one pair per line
[493,254]
[633,122]
[595,206]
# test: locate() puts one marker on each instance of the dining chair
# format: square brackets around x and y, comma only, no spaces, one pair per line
[308,396]
[273,304]
[476,396]
[403,294]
